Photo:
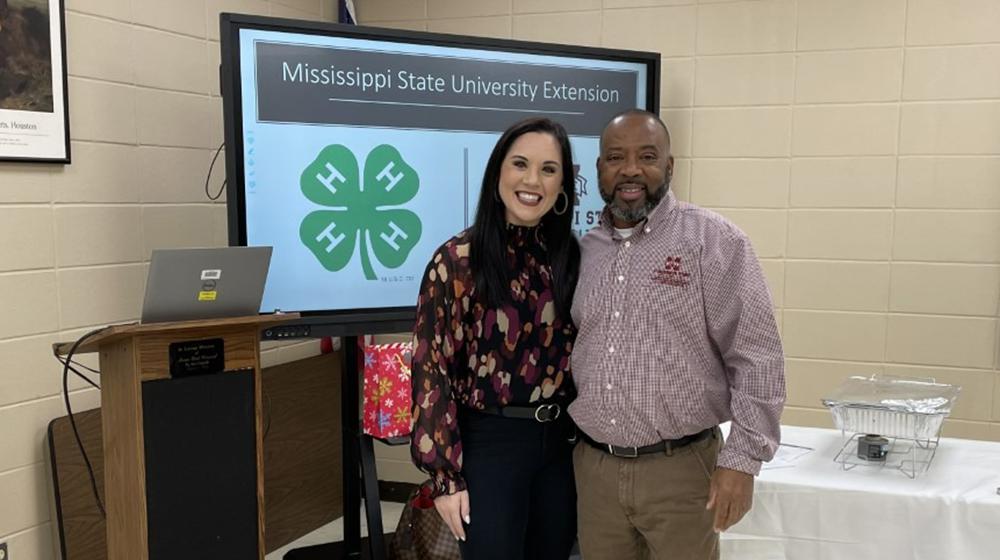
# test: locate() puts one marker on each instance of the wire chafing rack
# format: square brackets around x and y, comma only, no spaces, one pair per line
[890,422]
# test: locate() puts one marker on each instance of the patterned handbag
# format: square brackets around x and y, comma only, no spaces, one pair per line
[421,533]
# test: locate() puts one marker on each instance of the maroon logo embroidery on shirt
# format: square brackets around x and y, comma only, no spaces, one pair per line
[672,274]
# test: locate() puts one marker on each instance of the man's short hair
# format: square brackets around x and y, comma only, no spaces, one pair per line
[638,113]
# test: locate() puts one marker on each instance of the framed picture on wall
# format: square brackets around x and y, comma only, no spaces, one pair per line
[34,117]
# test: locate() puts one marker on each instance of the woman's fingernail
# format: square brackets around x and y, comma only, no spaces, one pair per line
[468,520]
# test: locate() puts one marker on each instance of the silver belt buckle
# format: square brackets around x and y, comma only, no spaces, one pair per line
[632,454]
[553,408]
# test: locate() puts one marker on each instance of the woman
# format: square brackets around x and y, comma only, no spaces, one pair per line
[492,340]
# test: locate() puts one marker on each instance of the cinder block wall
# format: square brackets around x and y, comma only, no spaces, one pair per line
[145,118]
[856,141]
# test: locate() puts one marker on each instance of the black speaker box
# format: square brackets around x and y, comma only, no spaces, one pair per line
[201,467]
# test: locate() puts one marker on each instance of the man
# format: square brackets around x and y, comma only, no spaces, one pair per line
[676,335]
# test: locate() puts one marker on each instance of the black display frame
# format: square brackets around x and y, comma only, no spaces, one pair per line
[57,46]
[364,320]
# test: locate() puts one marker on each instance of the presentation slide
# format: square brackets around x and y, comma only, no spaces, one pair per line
[361,157]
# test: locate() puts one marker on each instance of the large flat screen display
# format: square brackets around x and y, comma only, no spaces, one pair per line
[356,152]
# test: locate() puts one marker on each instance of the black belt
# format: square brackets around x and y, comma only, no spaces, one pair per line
[665,446]
[540,413]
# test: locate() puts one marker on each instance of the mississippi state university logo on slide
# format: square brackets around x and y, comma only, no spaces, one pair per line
[360,208]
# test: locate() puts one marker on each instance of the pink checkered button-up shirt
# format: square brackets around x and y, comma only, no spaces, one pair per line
[677,334]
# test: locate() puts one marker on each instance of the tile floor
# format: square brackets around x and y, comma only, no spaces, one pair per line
[334,531]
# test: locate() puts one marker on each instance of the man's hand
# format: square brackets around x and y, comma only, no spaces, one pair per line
[453,509]
[730,495]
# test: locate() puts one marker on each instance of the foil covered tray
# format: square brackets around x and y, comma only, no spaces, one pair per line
[896,407]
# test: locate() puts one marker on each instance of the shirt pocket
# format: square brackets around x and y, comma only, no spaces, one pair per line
[669,295]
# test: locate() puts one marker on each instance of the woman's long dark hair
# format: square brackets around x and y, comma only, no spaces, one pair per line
[487,255]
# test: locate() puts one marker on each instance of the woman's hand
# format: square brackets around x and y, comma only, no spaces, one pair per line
[454,508]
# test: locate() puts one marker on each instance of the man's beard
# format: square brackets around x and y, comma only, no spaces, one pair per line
[638,214]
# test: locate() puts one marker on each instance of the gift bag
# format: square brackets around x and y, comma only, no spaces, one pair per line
[387,392]
[421,533]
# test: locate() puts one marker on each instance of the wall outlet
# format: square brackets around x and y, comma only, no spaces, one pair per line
[3,551]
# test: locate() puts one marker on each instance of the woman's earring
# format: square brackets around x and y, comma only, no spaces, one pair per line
[565,199]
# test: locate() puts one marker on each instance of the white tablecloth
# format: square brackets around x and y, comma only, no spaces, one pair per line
[815,510]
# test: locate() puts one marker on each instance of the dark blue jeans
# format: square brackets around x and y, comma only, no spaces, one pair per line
[522,496]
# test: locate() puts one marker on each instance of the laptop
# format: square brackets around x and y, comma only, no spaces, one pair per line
[189,284]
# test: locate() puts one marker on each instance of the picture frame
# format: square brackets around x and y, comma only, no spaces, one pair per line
[34,100]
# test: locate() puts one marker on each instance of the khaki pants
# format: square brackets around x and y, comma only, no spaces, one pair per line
[652,506]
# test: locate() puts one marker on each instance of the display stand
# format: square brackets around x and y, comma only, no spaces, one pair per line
[360,476]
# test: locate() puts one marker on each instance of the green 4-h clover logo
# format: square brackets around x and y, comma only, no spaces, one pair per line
[360,209]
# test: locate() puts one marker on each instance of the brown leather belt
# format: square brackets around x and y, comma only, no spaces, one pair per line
[665,446]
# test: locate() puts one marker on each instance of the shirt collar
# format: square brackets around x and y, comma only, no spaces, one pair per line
[521,236]
[655,218]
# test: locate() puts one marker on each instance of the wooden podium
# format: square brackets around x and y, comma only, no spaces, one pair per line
[182,430]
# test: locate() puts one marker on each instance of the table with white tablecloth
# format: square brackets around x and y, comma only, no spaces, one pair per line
[808,507]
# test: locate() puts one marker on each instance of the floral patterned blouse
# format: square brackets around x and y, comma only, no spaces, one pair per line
[468,355]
